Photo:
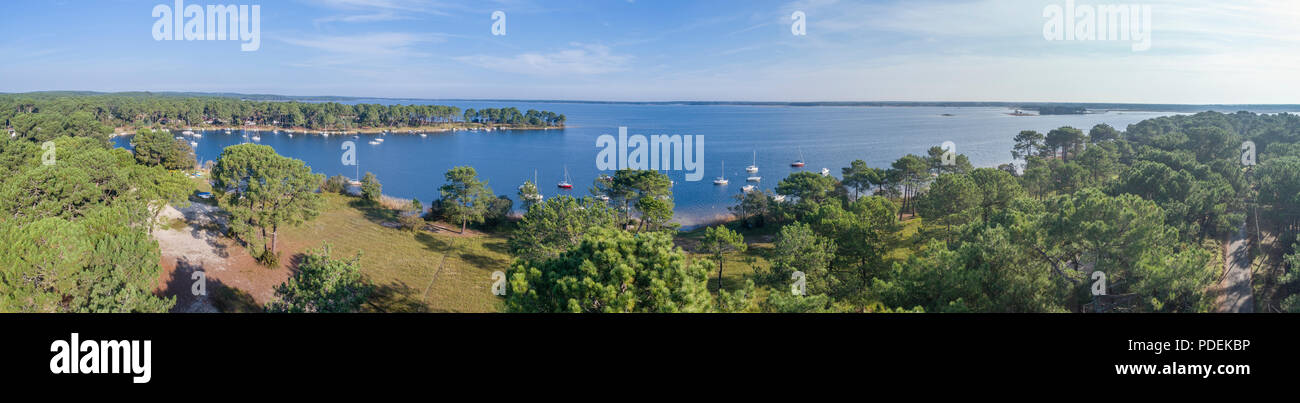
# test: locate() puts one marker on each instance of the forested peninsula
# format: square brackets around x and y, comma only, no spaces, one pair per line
[44,116]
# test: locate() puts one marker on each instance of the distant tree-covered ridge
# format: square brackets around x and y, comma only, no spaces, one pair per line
[41,116]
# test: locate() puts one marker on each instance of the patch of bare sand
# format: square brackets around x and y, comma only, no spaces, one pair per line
[200,246]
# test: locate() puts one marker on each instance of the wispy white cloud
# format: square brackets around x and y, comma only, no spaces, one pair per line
[578,59]
[366,17]
[361,11]
[344,49]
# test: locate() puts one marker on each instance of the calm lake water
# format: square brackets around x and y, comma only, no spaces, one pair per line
[410,166]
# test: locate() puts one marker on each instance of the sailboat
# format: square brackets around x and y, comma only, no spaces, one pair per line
[722,179]
[799,162]
[564,184]
[753,167]
[356,181]
[537,195]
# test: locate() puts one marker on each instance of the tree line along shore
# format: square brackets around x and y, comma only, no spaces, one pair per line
[1150,207]
[50,115]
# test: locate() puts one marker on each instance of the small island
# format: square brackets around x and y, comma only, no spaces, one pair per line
[1059,110]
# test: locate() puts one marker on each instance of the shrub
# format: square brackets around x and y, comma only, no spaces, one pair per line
[336,184]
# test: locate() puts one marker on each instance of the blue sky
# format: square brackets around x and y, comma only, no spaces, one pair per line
[908,50]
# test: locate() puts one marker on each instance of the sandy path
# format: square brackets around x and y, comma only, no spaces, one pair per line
[1237,293]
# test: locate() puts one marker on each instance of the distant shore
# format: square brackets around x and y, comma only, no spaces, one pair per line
[440,128]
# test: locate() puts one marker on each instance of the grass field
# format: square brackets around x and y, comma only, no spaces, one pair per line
[736,267]
[422,271]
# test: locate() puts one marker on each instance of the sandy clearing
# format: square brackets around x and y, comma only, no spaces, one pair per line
[201,247]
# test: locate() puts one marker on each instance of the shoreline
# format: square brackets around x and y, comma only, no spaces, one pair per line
[446,128]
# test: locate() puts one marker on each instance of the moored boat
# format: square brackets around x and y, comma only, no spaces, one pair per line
[565,184]
[721,180]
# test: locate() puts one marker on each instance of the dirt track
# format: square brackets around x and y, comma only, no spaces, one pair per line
[1237,296]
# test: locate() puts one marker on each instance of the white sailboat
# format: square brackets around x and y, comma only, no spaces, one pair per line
[721,180]
[537,195]
[753,167]
[356,181]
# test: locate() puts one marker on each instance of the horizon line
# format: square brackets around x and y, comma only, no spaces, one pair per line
[593,101]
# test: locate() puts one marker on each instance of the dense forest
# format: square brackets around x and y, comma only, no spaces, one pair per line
[50,115]
[1149,208]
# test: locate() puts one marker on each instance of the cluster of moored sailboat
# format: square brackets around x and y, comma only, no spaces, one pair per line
[721,180]
[752,170]
[565,184]
[255,134]
[191,134]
